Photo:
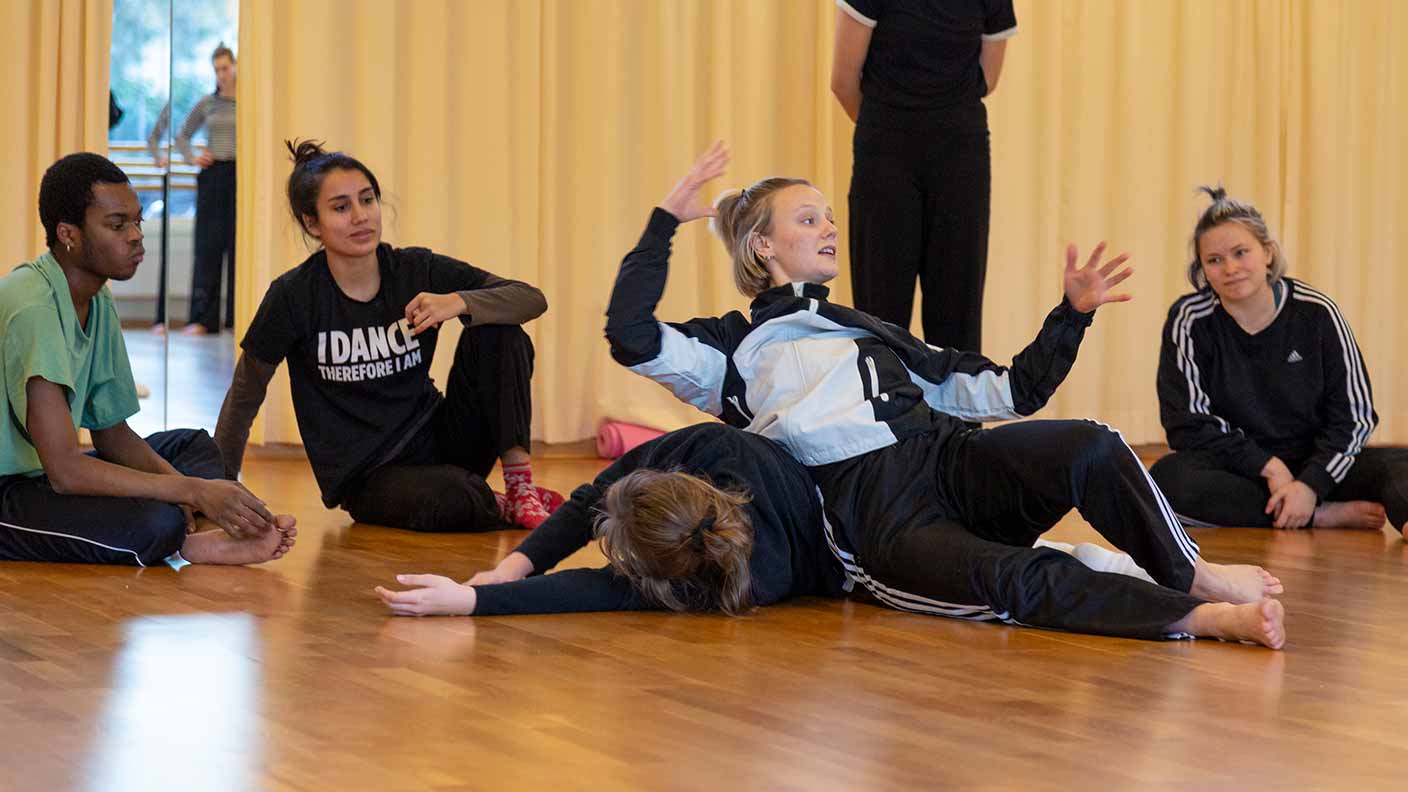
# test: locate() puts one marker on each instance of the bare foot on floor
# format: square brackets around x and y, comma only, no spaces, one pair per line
[1261,622]
[217,547]
[1365,515]
[1235,583]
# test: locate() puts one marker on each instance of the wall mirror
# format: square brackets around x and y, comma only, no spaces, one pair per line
[170,93]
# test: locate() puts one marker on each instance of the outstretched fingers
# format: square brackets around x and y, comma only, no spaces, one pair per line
[1095,254]
[1114,264]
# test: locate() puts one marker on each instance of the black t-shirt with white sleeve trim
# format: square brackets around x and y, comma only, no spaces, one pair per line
[923,63]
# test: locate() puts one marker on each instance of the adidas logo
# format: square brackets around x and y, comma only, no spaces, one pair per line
[1294,357]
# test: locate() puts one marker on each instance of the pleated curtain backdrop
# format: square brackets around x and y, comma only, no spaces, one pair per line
[55,57]
[532,138]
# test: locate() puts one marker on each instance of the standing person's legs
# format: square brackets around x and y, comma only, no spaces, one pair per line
[229,236]
[1204,492]
[1378,476]
[958,198]
[209,250]
[887,225]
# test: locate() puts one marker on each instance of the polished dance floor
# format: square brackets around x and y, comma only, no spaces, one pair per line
[292,676]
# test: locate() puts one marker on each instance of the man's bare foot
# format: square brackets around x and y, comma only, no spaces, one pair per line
[214,546]
[194,329]
[1235,583]
[159,328]
[1365,515]
[1261,622]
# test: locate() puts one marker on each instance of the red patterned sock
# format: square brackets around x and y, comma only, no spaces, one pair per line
[524,504]
[551,498]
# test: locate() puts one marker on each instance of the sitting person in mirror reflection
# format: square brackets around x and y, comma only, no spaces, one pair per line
[358,322]
[63,365]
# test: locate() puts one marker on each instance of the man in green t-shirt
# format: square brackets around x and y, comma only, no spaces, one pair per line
[63,365]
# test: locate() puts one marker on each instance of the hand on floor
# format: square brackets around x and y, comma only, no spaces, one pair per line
[433,595]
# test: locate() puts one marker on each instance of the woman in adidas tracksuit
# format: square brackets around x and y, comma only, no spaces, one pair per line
[1264,395]
[926,513]
[710,518]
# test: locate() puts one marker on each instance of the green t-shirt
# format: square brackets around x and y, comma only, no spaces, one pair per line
[40,337]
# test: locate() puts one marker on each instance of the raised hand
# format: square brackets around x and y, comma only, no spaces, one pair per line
[433,595]
[685,201]
[1088,287]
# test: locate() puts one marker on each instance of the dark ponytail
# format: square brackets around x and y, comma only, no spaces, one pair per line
[310,164]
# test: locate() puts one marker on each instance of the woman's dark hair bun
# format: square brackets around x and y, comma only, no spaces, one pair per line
[304,151]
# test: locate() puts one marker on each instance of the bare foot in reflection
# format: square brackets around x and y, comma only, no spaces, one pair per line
[214,546]
[1235,583]
[1261,622]
[1364,515]
[159,328]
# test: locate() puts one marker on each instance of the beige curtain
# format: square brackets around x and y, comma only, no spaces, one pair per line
[54,55]
[531,137]
[1109,115]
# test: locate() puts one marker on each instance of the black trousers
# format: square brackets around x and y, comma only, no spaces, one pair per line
[919,205]
[215,246]
[1200,487]
[38,524]
[946,527]
[436,482]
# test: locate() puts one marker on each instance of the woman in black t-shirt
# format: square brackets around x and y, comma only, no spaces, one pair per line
[1264,395]
[358,322]
[922,179]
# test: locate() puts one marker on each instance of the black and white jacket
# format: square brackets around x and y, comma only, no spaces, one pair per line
[1297,390]
[826,381]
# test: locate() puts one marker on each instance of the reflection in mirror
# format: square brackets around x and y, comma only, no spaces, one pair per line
[175,140]
[140,92]
[200,286]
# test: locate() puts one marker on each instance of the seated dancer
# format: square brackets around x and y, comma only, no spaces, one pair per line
[709,518]
[1264,395]
[878,419]
[64,366]
[358,321]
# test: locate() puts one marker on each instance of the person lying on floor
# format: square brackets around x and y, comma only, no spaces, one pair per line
[710,518]
[63,366]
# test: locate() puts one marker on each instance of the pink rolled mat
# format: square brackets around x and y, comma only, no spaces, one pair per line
[615,438]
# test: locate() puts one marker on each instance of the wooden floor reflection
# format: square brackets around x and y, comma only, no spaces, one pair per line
[291,676]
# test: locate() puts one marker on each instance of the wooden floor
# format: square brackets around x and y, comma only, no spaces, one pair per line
[291,676]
